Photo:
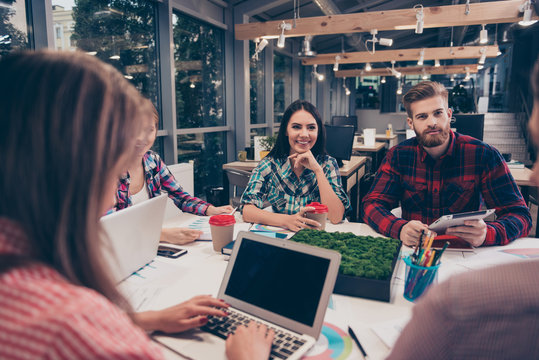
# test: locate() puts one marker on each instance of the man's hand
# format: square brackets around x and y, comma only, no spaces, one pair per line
[411,232]
[473,231]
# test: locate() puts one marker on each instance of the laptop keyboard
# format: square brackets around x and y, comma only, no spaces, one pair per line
[284,343]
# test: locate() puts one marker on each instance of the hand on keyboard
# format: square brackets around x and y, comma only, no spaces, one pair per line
[187,315]
[249,342]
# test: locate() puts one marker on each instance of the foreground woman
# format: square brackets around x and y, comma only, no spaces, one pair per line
[70,122]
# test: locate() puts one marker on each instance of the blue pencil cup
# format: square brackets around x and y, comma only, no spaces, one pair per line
[418,279]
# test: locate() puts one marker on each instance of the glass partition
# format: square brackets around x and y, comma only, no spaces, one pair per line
[199,70]
[282,85]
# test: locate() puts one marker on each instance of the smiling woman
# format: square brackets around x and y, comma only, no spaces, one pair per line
[295,173]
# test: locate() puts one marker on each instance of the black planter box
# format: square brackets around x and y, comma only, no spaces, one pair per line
[367,288]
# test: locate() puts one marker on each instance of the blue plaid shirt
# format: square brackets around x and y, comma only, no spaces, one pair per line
[158,178]
[274,180]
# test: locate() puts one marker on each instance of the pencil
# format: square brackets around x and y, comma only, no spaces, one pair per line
[356,340]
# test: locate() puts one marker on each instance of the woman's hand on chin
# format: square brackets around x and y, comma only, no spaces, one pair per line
[306,159]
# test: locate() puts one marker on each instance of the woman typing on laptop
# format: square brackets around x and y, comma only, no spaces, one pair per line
[56,297]
[148,176]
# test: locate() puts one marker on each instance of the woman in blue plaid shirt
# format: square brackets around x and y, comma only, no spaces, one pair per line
[296,172]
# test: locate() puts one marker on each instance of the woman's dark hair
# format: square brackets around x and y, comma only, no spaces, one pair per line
[282,146]
[69,126]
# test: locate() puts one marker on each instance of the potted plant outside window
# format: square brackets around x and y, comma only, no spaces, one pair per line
[267,143]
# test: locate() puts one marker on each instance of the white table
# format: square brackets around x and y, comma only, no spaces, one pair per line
[201,270]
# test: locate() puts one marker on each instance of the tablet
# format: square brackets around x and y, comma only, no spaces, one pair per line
[447,221]
[455,243]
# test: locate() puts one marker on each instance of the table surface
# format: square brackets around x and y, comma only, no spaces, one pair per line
[522,176]
[200,272]
[361,147]
[384,137]
[349,166]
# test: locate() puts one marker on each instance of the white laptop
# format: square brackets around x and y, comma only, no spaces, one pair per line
[132,236]
[281,283]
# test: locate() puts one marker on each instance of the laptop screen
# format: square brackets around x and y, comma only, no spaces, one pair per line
[277,279]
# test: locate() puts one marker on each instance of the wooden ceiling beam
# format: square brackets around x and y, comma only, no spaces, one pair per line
[415,70]
[441,53]
[438,16]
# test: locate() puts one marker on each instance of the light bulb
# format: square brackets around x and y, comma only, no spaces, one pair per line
[421,57]
[527,18]
[437,63]
[368,66]
[383,80]
[483,35]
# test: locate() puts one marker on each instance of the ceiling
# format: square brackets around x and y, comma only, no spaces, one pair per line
[263,10]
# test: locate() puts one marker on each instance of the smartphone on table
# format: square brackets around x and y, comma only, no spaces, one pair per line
[170,250]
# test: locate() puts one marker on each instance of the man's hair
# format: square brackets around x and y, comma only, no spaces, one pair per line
[421,91]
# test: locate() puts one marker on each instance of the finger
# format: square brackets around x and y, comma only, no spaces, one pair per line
[312,223]
[463,230]
[207,300]
[191,323]
[474,223]
[205,310]
[305,209]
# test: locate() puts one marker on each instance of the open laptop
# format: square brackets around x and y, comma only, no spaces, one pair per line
[132,236]
[280,283]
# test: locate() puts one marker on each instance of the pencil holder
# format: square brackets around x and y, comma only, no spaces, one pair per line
[418,279]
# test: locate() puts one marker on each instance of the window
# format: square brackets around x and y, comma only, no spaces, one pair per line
[305,79]
[14,29]
[282,85]
[198,56]
[256,86]
[119,32]
[208,151]
[200,101]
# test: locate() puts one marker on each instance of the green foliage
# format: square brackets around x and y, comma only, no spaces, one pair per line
[10,37]
[363,256]
[267,142]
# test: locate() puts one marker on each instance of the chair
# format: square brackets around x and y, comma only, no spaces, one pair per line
[183,173]
[345,120]
[239,180]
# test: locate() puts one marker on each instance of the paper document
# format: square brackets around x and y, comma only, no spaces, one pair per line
[203,224]
[389,331]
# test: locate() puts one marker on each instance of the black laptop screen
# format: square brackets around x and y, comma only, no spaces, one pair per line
[278,279]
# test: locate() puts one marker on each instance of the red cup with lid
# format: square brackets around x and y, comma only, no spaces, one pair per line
[320,213]
[222,230]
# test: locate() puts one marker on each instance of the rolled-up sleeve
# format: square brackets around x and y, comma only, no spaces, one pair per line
[331,171]
[257,188]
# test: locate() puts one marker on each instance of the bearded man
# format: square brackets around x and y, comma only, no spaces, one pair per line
[442,172]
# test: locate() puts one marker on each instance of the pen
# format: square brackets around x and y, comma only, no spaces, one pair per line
[354,337]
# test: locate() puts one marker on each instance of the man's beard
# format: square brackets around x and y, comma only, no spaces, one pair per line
[428,141]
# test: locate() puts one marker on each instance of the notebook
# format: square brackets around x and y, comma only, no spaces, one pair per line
[131,236]
[281,283]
